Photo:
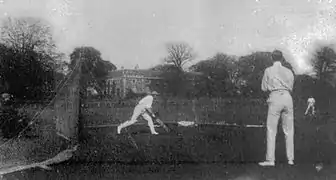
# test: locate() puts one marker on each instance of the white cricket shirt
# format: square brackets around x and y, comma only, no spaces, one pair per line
[277,77]
[146,102]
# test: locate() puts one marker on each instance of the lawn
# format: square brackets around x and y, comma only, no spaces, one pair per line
[22,151]
[208,111]
[209,145]
[40,144]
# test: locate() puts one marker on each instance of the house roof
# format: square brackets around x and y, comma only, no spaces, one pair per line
[133,72]
[144,73]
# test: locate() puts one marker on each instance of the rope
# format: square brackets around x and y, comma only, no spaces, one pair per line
[37,114]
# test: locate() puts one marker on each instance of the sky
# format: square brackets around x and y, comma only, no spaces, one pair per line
[131,32]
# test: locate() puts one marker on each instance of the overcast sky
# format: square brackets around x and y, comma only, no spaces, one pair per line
[126,31]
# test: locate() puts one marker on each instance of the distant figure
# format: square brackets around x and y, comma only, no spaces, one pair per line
[278,81]
[5,100]
[143,108]
[6,96]
[310,105]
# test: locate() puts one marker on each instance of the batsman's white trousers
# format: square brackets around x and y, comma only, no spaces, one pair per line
[280,104]
[139,110]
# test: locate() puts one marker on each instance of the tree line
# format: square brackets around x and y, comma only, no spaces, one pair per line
[225,75]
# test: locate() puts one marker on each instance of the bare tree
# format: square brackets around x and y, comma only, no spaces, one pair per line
[28,34]
[30,61]
[179,54]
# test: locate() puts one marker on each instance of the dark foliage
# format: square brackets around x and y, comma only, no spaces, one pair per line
[27,76]
[92,61]
[251,69]
[217,76]
[11,121]
[93,67]
[173,82]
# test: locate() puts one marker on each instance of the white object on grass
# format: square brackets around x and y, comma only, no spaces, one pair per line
[257,126]
[186,123]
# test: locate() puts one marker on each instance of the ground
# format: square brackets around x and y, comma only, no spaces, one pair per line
[250,171]
[37,144]
[23,151]
[203,144]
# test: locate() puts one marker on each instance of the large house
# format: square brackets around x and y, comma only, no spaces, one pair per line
[119,82]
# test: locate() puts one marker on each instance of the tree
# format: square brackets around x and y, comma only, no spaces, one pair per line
[89,57]
[25,76]
[28,57]
[174,78]
[168,76]
[92,61]
[172,82]
[251,69]
[29,34]
[324,64]
[103,67]
[179,54]
[221,72]
[304,86]
[93,67]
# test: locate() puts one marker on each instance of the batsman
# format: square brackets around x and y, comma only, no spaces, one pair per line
[278,81]
[144,109]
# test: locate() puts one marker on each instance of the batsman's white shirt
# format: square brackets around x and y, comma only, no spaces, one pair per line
[311,101]
[145,103]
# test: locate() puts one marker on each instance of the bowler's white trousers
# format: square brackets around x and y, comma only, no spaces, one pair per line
[280,104]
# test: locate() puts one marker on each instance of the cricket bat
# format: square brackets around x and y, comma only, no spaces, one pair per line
[162,124]
[157,119]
